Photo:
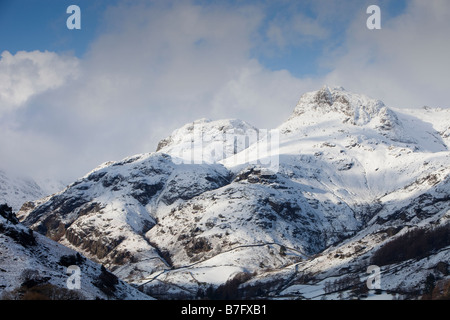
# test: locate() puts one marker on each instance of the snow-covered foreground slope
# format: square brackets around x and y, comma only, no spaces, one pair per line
[33,266]
[177,221]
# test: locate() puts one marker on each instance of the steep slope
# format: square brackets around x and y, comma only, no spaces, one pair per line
[198,211]
[408,239]
[375,146]
[107,213]
[33,266]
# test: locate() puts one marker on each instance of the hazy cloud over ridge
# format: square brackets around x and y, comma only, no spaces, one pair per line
[155,66]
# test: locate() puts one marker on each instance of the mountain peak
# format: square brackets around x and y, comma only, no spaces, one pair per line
[359,108]
[208,136]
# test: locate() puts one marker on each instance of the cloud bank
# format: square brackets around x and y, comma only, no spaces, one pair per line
[27,74]
[156,66]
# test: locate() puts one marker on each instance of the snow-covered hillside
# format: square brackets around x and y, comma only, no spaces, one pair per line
[176,221]
[33,266]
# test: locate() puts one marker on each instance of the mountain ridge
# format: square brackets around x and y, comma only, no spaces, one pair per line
[155,218]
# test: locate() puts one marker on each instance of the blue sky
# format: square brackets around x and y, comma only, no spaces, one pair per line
[40,25]
[26,25]
[139,69]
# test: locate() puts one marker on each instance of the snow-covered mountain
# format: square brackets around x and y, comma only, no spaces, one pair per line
[197,212]
[207,141]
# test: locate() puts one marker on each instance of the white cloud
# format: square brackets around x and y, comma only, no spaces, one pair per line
[164,57]
[154,68]
[262,97]
[27,74]
[405,64]
[296,30]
